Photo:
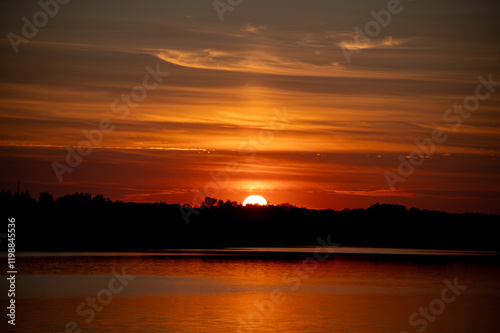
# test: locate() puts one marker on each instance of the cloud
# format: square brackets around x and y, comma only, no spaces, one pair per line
[253,28]
[265,61]
[380,43]
[254,62]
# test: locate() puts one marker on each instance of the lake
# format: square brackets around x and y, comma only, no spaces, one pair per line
[259,290]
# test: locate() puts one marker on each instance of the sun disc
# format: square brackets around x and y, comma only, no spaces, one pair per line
[255,200]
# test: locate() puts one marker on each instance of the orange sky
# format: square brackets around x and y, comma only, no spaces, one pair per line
[345,124]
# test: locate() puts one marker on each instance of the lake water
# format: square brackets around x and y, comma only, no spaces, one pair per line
[258,290]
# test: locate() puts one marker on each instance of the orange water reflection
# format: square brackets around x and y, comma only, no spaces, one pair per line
[234,294]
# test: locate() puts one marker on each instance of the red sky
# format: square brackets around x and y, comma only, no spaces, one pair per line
[346,125]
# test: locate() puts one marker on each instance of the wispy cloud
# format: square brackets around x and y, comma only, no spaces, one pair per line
[266,62]
[381,43]
[253,28]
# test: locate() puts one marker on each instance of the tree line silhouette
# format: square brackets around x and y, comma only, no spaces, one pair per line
[80,222]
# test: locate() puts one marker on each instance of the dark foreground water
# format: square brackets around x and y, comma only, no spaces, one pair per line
[257,290]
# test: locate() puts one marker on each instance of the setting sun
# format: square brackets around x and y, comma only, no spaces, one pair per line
[255,200]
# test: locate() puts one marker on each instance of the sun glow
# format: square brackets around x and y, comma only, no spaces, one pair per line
[255,200]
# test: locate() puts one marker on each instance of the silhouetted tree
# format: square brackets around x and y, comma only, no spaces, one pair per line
[209,202]
[45,198]
[81,222]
